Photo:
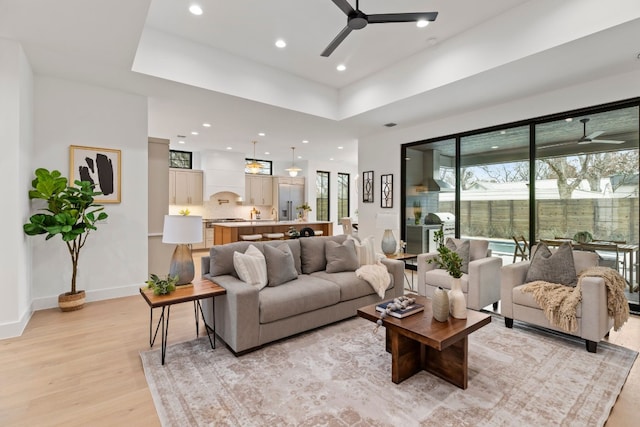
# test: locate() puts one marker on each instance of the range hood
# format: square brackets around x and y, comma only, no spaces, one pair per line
[431,181]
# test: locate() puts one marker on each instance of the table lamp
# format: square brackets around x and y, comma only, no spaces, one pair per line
[387,222]
[182,230]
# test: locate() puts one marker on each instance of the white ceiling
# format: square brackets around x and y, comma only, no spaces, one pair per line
[485,53]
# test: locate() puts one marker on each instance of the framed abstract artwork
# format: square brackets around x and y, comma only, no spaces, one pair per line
[386,191]
[99,166]
[367,187]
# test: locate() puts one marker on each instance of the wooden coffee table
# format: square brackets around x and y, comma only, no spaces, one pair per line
[420,342]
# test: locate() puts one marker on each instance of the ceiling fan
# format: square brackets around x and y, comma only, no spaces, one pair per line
[357,20]
[588,139]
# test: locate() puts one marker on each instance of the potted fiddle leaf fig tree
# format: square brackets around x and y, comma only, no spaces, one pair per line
[71,213]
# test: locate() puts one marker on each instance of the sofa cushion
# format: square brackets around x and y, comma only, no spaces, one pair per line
[279,264]
[526,299]
[462,248]
[351,287]
[304,294]
[340,257]
[221,258]
[251,267]
[312,255]
[294,245]
[556,267]
[365,250]
[440,277]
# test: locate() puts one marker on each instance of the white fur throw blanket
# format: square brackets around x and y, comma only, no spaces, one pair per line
[377,276]
[560,302]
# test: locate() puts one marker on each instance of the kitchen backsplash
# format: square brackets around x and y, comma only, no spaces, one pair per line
[223,205]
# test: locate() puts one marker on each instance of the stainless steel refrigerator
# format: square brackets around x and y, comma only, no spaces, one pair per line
[289,196]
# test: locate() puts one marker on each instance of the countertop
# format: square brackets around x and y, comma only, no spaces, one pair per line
[266,223]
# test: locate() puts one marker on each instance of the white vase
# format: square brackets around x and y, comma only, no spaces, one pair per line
[388,244]
[457,302]
[440,305]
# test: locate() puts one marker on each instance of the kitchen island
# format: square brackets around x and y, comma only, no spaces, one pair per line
[231,231]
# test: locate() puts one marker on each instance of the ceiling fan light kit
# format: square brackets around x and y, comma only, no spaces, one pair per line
[357,20]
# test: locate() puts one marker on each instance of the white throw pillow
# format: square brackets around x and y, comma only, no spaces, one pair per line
[365,249]
[251,267]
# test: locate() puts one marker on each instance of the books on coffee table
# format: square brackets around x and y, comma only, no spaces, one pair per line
[411,309]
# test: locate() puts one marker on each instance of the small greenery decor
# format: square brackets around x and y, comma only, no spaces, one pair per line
[305,207]
[447,259]
[583,237]
[162,286]
[417,211]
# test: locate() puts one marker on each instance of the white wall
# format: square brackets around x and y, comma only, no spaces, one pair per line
[114,260]
[382,154]
[16,124]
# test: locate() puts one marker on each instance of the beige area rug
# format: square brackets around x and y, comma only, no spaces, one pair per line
[340,375]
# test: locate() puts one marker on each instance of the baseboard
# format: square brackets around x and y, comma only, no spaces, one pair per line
[15,329]
[91,295]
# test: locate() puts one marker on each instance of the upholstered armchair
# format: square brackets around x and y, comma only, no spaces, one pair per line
[592,318]
[481,285]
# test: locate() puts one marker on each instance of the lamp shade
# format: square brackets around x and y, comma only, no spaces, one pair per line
[387,221]
[181,229]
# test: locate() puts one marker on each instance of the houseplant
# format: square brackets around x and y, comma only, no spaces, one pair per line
[162,286]
[70,213]
[450,261]
[417,211]
[305,208]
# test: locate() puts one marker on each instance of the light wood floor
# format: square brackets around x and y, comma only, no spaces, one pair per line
[83,368]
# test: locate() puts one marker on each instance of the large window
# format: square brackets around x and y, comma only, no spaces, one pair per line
[322,196]
[543,178]
[343,195]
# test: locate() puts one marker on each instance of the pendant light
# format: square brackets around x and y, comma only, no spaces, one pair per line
[293,170]
[254,167]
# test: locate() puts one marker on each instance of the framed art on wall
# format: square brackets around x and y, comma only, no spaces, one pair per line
[100,166]
[367,187]
[386,191]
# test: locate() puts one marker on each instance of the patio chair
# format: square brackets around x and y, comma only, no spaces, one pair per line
[522,248]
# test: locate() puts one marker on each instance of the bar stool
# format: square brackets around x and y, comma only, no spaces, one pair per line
[250,237]
[273,236]
[318,232]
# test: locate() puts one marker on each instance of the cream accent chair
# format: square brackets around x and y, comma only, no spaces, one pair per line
[593,321]
[481,287]
[347,227]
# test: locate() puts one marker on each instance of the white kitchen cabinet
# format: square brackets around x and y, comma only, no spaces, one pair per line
[208,237]
[258,190]
[185,187]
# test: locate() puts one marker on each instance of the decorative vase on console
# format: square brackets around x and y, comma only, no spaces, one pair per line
[440,305]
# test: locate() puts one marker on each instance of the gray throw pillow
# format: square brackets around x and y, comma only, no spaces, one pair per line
[312,254]
[341,257]
[280,265]
[557,267]
[462,249]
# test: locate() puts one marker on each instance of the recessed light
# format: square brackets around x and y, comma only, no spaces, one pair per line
[181,142]
[330,158]
[261,134]
[422,23]
[267,153]
[207,125]
[194,133]
[229,148]
[568,120]
[493,147]
[299,157]
[281,43]
[503,132]
[304,141]
[340,148]
[195,9]
[341,67]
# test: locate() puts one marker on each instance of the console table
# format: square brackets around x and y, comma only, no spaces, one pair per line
[197,290]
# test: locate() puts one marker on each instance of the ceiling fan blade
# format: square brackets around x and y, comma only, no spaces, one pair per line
[344,6]
[607,141]
[336,41]
[595,134]
[401,17]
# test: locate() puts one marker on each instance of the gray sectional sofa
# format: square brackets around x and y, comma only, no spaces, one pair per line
[247,318]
